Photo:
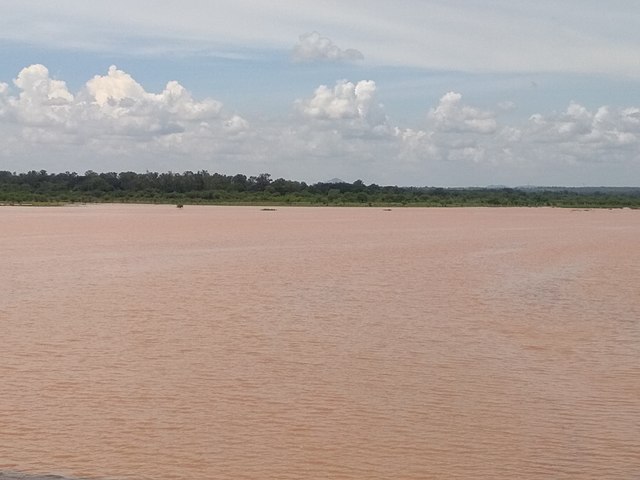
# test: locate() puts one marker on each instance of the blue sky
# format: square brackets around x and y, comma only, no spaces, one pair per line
[458,92]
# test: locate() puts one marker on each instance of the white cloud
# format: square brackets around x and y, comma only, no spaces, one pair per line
[4,100]
[577,127]
[114,123]
[114,87]
[352,102]
[236,124]
[112,114]
[313,47]
[549,36]
[113,102]
[451,115]
[119,104]
[37,86]
[574,145]
[42,100]
[117,93]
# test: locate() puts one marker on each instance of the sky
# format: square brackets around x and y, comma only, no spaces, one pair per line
[415,92]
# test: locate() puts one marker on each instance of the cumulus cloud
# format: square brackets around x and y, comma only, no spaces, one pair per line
[354,103]
[116,103]
[454,116]
[579,128]
[112,122]
[37,86]
[114,87]
[456,133]
[314,47]
[113,104]
[42,100]
[4,99]
[569,144]
[117,93]
[340,130]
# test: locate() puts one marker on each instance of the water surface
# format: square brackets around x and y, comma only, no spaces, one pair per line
[149,342]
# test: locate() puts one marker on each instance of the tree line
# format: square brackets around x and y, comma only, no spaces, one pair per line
[202,187]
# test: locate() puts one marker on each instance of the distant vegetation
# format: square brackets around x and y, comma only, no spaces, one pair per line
[40,187]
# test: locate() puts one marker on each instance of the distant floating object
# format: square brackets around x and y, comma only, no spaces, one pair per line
[268,209]
[180,205]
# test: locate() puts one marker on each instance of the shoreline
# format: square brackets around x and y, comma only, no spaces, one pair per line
[269,206]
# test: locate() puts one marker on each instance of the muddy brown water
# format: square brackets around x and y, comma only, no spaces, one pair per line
[150,342]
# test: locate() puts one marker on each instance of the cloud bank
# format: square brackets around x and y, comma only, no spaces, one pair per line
[343,130]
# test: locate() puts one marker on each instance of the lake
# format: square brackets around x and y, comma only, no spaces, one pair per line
[150,342]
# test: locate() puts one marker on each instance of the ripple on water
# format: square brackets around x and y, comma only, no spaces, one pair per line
[319,343]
